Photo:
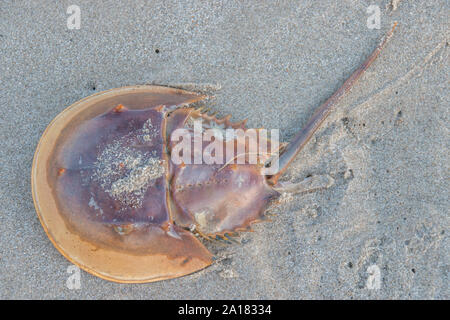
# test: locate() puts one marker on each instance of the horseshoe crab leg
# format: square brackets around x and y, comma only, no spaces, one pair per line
[303,136]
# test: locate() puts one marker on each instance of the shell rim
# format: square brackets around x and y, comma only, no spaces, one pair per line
[34,195]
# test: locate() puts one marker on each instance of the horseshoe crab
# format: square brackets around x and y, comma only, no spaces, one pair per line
[113,202]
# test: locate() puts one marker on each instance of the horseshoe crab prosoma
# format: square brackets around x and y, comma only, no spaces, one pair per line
[113,202]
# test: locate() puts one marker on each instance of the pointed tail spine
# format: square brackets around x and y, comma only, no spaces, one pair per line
[303,136]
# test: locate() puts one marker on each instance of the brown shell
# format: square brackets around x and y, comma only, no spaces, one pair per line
[113,203]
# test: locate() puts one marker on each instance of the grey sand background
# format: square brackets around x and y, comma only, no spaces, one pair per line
[385,147]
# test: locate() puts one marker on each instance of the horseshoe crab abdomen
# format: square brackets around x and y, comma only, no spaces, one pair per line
[221,201]
[222,197]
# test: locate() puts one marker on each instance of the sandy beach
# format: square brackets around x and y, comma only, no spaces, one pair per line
[378,230]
